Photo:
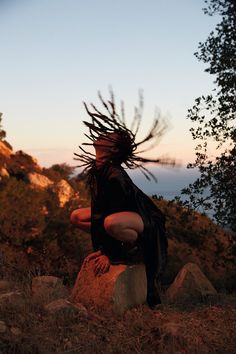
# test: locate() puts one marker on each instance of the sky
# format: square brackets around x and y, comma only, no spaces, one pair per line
[55,54]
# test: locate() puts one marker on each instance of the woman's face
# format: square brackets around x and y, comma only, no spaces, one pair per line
[105,150]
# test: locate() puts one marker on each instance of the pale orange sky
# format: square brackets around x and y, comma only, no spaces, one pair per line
[56,54]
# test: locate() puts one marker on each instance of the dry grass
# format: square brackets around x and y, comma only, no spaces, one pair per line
[197,329]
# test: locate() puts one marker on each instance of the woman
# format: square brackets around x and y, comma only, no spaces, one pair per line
[125,225]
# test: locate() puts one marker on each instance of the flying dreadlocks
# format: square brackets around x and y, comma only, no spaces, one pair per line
[111,122]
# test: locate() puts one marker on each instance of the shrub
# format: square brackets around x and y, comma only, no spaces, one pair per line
[21,213]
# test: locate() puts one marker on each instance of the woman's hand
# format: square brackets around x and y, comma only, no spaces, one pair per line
[102,265]
[92,256]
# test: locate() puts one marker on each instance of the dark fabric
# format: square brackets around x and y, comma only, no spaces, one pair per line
[113,191]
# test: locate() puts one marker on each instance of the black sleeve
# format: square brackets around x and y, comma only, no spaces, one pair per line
[97,235]
[120,194]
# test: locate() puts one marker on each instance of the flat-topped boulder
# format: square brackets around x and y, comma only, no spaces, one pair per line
[47,288]
[123,287]
[64,307]
[191,285]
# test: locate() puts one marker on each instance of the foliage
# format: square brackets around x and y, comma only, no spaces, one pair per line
[35,232]
[59,171]
[193,237]
[214,116]
[2,132]
[182,224]
[37,238]
[22,214]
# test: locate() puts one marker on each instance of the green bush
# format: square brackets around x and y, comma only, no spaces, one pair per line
[36,235]
[21,213]
[59,171]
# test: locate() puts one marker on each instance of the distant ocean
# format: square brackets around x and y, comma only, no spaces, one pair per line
[170,181]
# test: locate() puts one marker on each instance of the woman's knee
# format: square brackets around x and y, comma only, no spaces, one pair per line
[112,226]
[74,216]
[80,215]
[119,222]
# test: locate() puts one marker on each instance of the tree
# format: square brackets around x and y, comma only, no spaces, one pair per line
[59,171]
[2,132]
[214,118]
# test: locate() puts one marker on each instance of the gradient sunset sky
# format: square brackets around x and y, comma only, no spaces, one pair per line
[57,53]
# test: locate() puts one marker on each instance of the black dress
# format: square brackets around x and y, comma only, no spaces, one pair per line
[113,191]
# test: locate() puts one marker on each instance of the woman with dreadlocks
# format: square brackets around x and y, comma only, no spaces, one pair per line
[125,225]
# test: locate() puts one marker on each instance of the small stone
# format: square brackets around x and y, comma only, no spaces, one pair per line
[3,327]
[48,288]
[15,330]
[172,331]
[10,297]
[81,309]
[63,306]
[4,286]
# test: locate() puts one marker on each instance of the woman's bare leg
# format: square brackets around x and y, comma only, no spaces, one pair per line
[124,226]
[81,218]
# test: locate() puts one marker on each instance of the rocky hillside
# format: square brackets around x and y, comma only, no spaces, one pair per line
[37,240]
[195,238]
[35,231]
[35,227]
[26,168]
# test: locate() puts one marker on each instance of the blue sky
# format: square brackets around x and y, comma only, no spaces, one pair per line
[57,53]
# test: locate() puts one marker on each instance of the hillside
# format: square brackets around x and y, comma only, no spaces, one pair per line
[36,238]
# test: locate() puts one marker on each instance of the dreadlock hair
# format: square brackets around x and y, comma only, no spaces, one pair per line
[124,144]
[112,127]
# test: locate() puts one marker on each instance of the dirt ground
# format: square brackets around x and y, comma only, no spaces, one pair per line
[191,329]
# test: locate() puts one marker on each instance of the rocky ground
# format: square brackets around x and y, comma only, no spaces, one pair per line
[27,326]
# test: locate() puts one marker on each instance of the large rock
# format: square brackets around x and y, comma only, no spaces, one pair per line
[16,331]
[47,288]
[39,181]
[3,172]
[64,191]
[121,288]
[5,150]
[190,285]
